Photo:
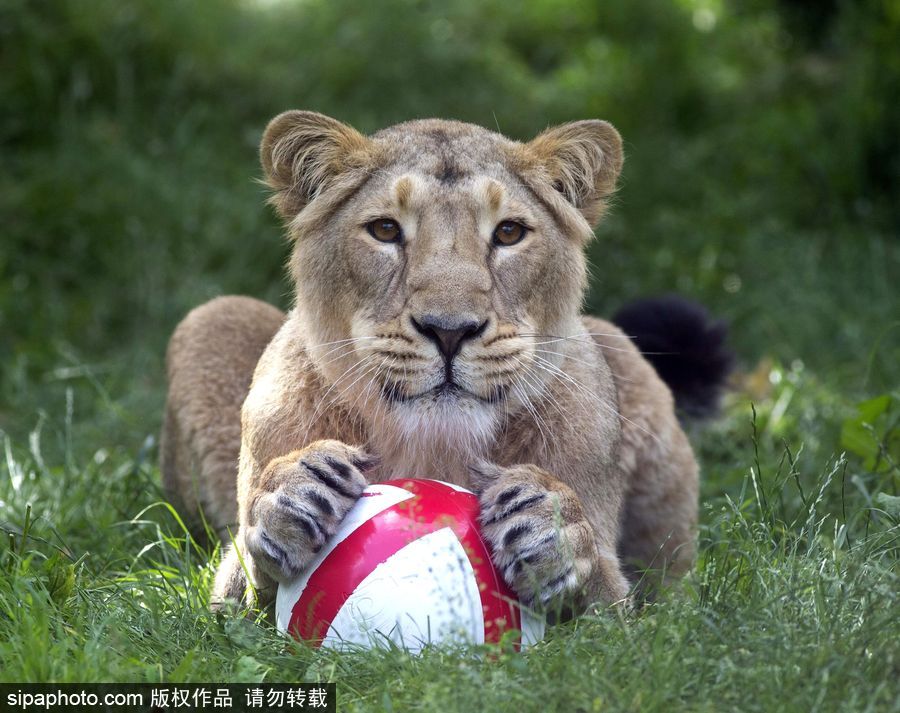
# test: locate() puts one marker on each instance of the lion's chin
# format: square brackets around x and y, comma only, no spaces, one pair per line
[448,421]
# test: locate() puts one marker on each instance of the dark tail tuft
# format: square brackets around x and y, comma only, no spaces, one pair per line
[685,345]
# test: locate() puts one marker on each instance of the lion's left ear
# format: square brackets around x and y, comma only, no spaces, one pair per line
[582,160]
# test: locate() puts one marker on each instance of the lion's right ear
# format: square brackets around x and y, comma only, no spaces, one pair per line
[302,152]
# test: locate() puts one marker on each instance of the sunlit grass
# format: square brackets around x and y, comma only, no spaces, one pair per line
[792,605]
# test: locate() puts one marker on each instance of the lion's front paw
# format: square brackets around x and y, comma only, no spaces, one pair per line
[303,498]
[540,539]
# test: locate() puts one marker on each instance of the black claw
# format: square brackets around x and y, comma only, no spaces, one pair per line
[274,551]
[552,586]
[328,479]
[526,503]
[518,507]
[339,467]
[533,553]
[323,503]
[514,533]
[508,495]
[306,525]
[366,462]
[309,524]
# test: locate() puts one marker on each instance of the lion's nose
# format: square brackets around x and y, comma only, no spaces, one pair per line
[447,333]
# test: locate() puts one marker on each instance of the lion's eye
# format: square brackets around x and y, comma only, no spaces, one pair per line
[509,232]
[385,230]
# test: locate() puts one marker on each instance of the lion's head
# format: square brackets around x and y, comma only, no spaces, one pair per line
[436,262]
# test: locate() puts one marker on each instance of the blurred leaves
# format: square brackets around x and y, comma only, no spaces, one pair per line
[890,503]
[761,174]
[874,433]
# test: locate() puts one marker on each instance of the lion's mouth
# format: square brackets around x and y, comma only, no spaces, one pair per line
[447,390]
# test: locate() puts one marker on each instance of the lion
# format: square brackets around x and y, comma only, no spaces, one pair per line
[438,272]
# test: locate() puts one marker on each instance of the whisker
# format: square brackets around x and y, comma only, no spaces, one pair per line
[588,341]
[526,402]
[589,334]
[324,399]
[374,372]
[565,356]
[582,361]
[368,370]
[348,351]
[553,338]
[551,369]
[542,425]
[345,344]
[337,341]
[565,418]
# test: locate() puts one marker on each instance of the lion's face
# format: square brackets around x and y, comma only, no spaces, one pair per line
[438,265]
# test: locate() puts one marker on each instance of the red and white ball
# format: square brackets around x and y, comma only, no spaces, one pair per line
[407,566]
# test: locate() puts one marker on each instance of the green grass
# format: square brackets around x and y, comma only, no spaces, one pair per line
[761,178]
[792,605]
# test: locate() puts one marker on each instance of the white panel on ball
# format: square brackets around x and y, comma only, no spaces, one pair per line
[400,603]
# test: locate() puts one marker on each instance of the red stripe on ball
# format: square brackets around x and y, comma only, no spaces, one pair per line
[434,507]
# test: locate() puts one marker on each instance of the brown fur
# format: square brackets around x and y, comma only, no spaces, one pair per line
[564,430]
[210,363]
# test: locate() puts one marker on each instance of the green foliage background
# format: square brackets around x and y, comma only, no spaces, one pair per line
[762,177]
[762,165]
